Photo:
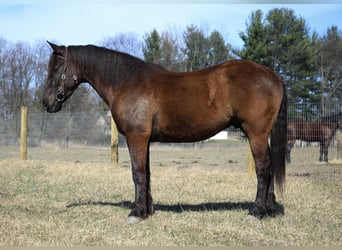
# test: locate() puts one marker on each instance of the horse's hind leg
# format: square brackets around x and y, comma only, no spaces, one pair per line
[265,199]
[271,204]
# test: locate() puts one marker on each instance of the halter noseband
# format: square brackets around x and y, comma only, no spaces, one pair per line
[60,95]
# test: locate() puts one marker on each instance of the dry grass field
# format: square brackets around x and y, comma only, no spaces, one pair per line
[74,197]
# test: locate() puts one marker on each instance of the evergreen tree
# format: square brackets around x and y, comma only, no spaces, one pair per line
[281,41]
[196,48]
[162,49]
[255,44]
[151,49]
[218,50]
[169,52]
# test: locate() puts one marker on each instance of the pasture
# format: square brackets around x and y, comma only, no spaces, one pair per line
[74,197]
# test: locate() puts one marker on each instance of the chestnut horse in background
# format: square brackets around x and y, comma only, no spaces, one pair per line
[322,131]
[150,103]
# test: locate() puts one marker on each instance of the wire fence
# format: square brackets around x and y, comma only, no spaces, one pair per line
[65,129]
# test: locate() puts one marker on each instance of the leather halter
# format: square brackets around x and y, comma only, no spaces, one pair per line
[60,95]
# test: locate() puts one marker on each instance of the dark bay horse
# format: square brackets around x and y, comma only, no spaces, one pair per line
[322,131]
[150,103]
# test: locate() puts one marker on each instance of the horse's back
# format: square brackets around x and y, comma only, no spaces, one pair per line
[201,103]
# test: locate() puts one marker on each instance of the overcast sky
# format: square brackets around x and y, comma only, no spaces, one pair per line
[89,22]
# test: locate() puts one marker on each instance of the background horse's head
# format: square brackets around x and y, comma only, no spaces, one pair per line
[63,79]
[340,120]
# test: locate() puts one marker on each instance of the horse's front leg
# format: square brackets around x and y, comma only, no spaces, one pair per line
[138,146]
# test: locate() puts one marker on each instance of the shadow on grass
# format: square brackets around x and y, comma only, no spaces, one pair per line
[180,208]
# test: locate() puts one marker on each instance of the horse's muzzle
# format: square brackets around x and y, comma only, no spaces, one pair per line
[51,105]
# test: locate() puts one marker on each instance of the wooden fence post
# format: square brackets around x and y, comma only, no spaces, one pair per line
[250,162]
[23,133]
[114,144]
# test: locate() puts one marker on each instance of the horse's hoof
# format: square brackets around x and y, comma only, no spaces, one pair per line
[257,213]
[133,220]
[251,217]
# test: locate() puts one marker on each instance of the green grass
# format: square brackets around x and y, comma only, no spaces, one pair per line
[74,197]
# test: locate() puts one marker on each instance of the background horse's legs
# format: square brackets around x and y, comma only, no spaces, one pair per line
[138,146]
[320,151]
[289,148]
[324,149]
[260,150]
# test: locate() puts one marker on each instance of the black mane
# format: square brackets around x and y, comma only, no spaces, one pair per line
[114,66]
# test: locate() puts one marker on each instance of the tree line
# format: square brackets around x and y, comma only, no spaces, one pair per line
[309,64]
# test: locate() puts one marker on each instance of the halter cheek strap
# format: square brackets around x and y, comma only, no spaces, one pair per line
[60,95]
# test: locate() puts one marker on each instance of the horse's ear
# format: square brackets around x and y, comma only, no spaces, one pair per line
[59,50]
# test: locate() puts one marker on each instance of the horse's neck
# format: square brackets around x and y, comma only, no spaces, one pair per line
[333,125]
[101,69]
[106,70]
[96,64]
[331,122]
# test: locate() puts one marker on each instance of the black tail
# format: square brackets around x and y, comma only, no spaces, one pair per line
[279,144]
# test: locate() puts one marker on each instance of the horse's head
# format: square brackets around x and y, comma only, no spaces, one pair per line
[63,78]
[340,120]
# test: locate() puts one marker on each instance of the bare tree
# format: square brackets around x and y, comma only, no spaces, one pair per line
[171,52]
[3,77]
[328,64]
[41,53]
[125,42]
[16,76]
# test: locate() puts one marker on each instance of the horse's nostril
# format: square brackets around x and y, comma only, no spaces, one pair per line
[45,103]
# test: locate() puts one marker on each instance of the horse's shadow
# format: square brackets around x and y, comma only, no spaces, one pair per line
[181,207]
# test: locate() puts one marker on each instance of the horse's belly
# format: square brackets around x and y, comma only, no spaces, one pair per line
[187,132]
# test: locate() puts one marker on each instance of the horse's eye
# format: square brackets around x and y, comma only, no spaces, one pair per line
[56,67]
